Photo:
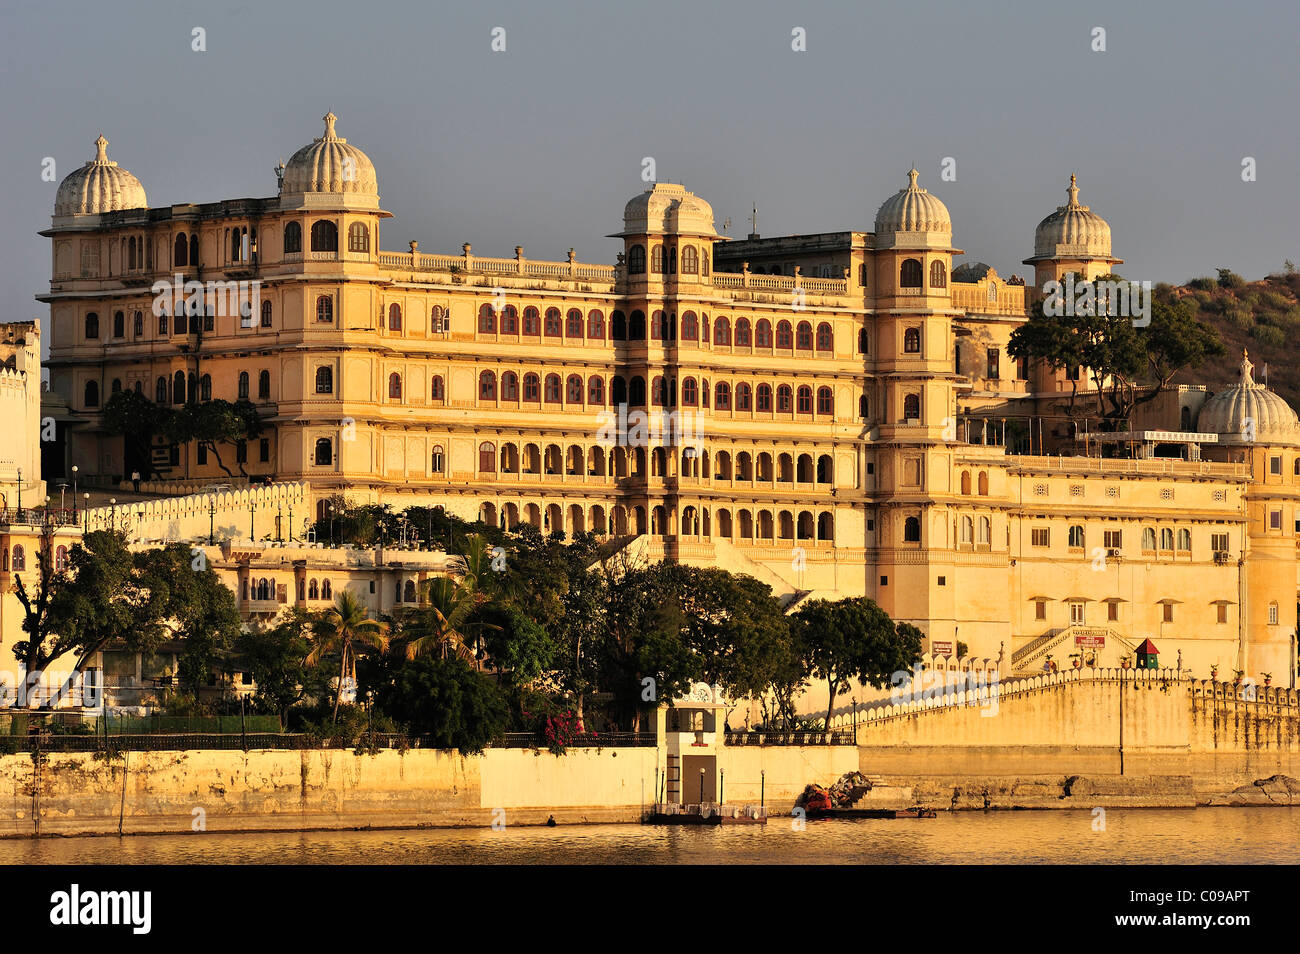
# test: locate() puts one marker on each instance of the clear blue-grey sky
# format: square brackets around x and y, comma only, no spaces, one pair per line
[542,144]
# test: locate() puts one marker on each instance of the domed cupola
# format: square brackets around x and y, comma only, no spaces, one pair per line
[1073,231]
[667,208]
[99,186]
[913,218]
[329,165]
[1249,413]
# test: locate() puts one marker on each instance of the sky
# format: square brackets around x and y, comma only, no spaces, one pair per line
[541,144]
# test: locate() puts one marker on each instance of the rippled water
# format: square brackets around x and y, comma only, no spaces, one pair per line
[1131,836]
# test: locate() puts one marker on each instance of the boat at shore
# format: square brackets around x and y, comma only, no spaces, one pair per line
[819,814]
[675,813]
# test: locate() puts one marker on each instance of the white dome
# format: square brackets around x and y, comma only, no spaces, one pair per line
[1249,413]
[914,214]
[329,164]
[101,185]
[666,207]
[1072,231]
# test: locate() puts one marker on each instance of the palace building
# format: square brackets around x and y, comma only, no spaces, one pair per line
[835,414]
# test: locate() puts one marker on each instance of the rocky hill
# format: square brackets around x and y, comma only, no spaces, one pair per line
[1263,317]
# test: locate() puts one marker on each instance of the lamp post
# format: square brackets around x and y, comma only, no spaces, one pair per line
[252,537]
[701,787]
[20,494]
[86,510]
[112,514]
[212,519]
[330,508]
[63,487]
[291,525]
[74,492]
[279,517]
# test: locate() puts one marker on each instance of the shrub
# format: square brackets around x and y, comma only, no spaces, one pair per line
[443,698]
[1203,284]
[1230,279]
[1269,335]
[1241,317]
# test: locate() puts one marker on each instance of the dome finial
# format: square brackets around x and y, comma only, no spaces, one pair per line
[101,149]
[1247,370]
[1073,192]
[911,177]
[330,119]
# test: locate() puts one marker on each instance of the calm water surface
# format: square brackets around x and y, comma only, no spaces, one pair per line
[1131,836]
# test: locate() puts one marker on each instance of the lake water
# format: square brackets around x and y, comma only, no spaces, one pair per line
[1131,836]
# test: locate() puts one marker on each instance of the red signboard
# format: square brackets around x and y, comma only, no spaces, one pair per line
[941,648]
[1090,642]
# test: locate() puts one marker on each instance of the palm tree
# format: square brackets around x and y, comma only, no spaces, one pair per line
[478,578]
[342,629]
[441,623]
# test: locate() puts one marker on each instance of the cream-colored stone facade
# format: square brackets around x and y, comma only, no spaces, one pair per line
[834,442]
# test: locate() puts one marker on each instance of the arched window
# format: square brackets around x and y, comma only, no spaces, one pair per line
[722,331]
[162,324]
[242,392]
[573,324]
[938,275]
[61,558]
[912,530]
[983,484]
[804,336]
[636,260]
[744,397]
[617,390]
[181,325]
[825,401]
[436,391]
[1185,540]
[408,592]
[722,396]
[805,399]
[551,391]
[160,391]
[437,463]
[92,326]
[764,397]
[1148,538]
[825,337]
[324,309]
[573,389]
[552,326]
[967,534]
[487,457]
[596,390]
[862,341]
[324,236]
[532,321]
[487,320]
[178,388]
[763,334]
[119,324]
[1166,538]
[324,452]
[92,394]
[636,326]
[292,237]
[194,248]
[394,317]
[509,386]
[487,386]
[358,237]
[784,339]
[394,387]
[20,557]
[313,591]
[912,341]
[116,386]
[264,385]
[326,591]
[909,275]
[690,392]
[1076,538]
[912,407]
[690,326]
[636,391]
[324,380]
[532,387]
[690,260]
[742,333]
[595,325]
[509,320]
[658,326]
[985,530]
[181,251]
[784,398]
[657,260]
[137,324]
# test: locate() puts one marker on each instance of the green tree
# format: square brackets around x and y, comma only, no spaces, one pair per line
[276,658]
[440,624]
[344,629]
[854,639]
[138,420]
[460,708]
[210,424]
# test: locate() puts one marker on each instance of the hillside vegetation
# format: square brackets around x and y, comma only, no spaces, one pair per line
[1262,317]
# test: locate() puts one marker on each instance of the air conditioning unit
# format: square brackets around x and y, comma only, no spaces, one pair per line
[1112,553]
[1222,556]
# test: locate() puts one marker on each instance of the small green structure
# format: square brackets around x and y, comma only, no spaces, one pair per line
[1147,655]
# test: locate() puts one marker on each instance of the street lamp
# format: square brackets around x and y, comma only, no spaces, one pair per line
[112,514]
[291,525]
[63,487]
[279,517]
[74,492]
[251,535]
[330,508]
[86,510]
[20,493]
[212,518]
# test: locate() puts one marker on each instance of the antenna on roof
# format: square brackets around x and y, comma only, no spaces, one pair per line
[753,223]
